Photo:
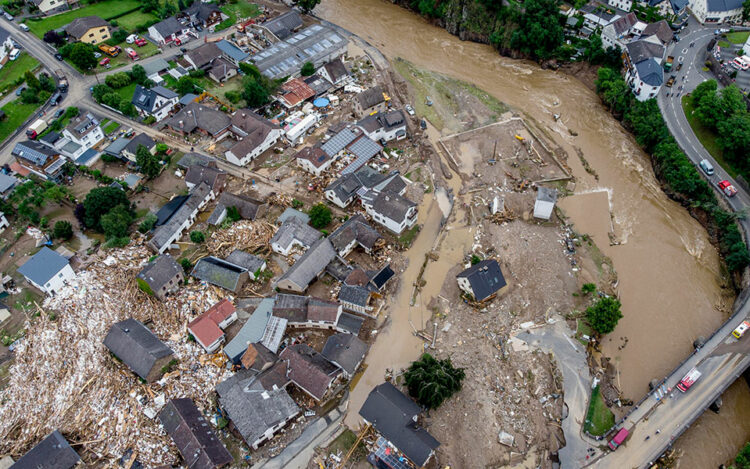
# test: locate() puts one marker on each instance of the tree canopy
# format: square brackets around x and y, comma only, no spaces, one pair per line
[149,164]
[604,315]
[307,69]
[116,222]
[98,202]
[320,216]
[82,55]
[62,230]
[432,381]
[540,29]
[307,5]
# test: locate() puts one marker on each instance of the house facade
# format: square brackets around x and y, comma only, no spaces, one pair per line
[182,219]
[716,11]
[138,348]
[643,67]
[6,45]
[384,126]
[49,7]
[254,135]
[84,130]
[167,31]
[156,101]
[482,280]
[47,270]
[89,29]
[161,276]
[39,159]
[393,211]
[208,328]
[370,101]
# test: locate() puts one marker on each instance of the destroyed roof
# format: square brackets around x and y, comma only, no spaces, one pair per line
[295,91]
[350,323]
[252,331]
[196,116]
[80,26]
[485,278]
[336,69]
[315,155]
[318,84]
[392,205]
[283,25]
[160,271]
[136,346]
[193,435]
[211,175]
[293,213]
[258,357]
[274,377]
[345,350]
[218,272]
[247,206]
[370,97]
[254,410]
[392,414]
[138,140]
[354,294]
[545,194]
[194,158]
[202,11]
[355,229]
[53,452]
[164,233]
[357,277]
[309,370]
[42,266]
[295,230]
[246,260]
[311,263]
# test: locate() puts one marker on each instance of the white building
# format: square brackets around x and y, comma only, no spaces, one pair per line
[296,132]
[157,101]
[644,71]
[182,219]
[6,45]
[716,11]
[255,135]
[621,4]
[84,130]
[3,222]
[384,126]
[545,203]
[47,270]
[313,160]
[393,211]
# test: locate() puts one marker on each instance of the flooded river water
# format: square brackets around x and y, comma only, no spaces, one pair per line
[669,274]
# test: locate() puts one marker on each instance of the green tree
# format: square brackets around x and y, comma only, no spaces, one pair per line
[186,265]
[98,202]
[185,85]
[745,10]
[47,83]
[734,137]
[149,164]
[307,69]
[588,288]
[197,236]
[307,5]
[29,96]
[82,55]
[62,230]
[148,223]
[32,81]
[648,126]
[233,213]
[743,457]
[117,80]
[254,92]
[475,259]
[432,381]
[115,223]
[320,216]
[540,29]
[604,314]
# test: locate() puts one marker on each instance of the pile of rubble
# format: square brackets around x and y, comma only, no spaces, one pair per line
[245,235]
[64,378]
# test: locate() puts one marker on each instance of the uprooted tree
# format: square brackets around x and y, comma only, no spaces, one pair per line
[432,381]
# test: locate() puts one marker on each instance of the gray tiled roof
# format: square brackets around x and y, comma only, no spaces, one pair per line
[218,272]
[247,206]
[196,116]
[309,370]
[138,140]
[370,97]
[485,278]
[204,54]
[392,205]
[6,182]
[650,72]
[311,263]
[136,346]
[160,271]
[724,5]
[168,27]
[336,69]
[293,213]
[245,260]
[294,229]
[355,295]
[165,232]
[283,25]
[350,323]
[194,158]
[355,228]
[345,350]
[42,266]
[53,452]
[642,50]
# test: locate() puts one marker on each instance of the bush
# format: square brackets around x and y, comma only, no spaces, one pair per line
[233,96]
[320,216]
[117,80]
[297,204]
[475,259]
[432,381]
[62,230]
[107,158]
[148,223]
[149,120]
[233,213]
[307,69]
[604,315]
[197,236]
[186,265]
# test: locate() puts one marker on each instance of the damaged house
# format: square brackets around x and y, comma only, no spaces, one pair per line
[260,328]
[53,452]
[309,370]
[183,218]
[293,233]
[200,119]
[346,351]
[308,267]
[248,208]
[161,276]
[138,348]
[482,280]
[355,232]
[208,328]
[307,311]
[230,274]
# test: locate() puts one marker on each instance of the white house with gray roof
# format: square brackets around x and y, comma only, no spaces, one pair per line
[308,268]
[156,101]
[47,270]
[384,126]
[182,219]
[644,71]
[84,130]
[393,211]
[167,30]
[293,233]
[6,45]
[716,11]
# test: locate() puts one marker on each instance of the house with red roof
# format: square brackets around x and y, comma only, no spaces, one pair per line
[208,328]
[294,92]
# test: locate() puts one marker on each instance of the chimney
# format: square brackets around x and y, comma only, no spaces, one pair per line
[182,124]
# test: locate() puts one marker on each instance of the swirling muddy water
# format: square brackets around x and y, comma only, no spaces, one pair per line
[669,274]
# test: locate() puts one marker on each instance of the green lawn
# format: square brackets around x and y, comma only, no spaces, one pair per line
[111,127]
[738,37]
[105,9]
[599,419]
[15,114]
[724,44]
[122,59]
[13,70]
[134,19]
[126,92]
[706,136]
[241,9]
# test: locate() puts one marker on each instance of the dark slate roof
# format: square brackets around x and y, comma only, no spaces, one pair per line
[309,370]
[218,272]
[381,277]
[204,54]
[650,72]
[290,307]
[345,350]
[78,27]
[42,266]
[7,182]
[642,50]
[253,127]
[193,435]
[370,97]
[311,263]
[392,414]
[140,139]
[724,5]
[194,158]
[245,260]
[168,27]
[196,116]
[162,234]
[355,228]
[4,35]
[169,209]
[50,138]
[661,29]
[160,271]
[145,98]
[485,278]
[33,152]
[283,25]
[392,205]
[247,206]
[136,346]
[116,147]
[336,69]
[354,294]
[202,11]
[294,229]
[197,174]
[350,323]
[348,184]
[53,452]
[252,409]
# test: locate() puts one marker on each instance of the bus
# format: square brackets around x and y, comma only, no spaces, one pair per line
[690,378]
[619,438]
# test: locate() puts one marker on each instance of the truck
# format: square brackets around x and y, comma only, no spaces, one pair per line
[131,53]
[671,80]
[619,438]
[668,63]
[62,82]
[36,128]
[112,51]
[727,188]
[741,329]
[690,378]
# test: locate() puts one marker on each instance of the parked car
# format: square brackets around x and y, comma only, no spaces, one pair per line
[183,50]
[727,188]
[131,39]
[104,61]
[59,113]
[707,167]
[140,42]
[59,57]
[8,16]
[679,66]
[20,90]
[55,99]
[409,109]
[741,329]
[14,54]
[23,27]
[423,124]
[97,54]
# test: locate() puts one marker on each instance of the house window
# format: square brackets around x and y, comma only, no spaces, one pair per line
[59,275]
[91,35]
[101,30]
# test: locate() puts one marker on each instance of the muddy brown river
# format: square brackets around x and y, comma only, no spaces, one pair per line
[669,274]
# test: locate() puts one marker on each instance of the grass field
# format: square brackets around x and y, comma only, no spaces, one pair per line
[15,114]
[126,92]
[134,19]
[738,37]
[13,70]
[148,50]
[241,9]
[599,418]
[105,9]
[706,136]
[111,127]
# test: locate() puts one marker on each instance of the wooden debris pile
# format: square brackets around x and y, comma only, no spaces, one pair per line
[246,235]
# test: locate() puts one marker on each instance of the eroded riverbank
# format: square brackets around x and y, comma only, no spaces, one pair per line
[671,283]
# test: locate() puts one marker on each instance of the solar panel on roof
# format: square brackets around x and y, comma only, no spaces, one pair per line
[325,43]
[336,39]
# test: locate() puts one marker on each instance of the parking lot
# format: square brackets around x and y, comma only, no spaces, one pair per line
[728,54]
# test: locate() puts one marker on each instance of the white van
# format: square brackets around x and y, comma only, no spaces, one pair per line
[14,54]
[131,39]
[707,167]
[23,27]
